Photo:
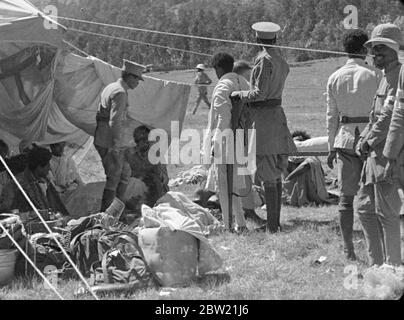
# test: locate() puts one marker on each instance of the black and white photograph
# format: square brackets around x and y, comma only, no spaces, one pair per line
[203,158]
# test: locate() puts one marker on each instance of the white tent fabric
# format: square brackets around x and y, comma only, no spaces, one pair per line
[50,95]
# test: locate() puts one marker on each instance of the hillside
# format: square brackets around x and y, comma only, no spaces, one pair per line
[316,24]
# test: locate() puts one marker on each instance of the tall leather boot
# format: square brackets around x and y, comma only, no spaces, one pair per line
[271,200]
[346,219]
[107,198]
[278,217]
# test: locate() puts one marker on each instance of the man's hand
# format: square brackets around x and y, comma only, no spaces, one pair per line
[390,171]
[332,157]
[235,95]
[364,147]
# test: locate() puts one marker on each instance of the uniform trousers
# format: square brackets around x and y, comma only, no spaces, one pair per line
[378,208]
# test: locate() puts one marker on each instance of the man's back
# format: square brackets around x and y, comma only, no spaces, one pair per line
[353,87]
[350,92]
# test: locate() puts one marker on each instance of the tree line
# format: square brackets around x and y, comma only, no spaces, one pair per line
[315,24]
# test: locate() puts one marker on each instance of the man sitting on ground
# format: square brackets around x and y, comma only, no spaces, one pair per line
[63,172]
[153,176]
[305,183]
[35,183]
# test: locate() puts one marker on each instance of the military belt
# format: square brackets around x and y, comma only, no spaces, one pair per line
[266,103]
[346,119]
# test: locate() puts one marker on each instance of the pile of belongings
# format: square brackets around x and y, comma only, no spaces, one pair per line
[384,282]
[195,175]
[15,228]
[167,247]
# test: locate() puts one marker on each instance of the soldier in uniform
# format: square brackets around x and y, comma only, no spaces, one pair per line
[274,141]
[350,92]
[203,80]
[108,138]
[394,148]
[379,202]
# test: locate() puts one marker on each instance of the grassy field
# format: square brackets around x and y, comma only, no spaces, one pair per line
[261,266]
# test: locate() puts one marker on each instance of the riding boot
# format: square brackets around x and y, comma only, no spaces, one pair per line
[271,200]
[278,217]
[107,198]
[346,219]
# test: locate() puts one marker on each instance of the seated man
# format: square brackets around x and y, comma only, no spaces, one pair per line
[35,183]
[304,183]
[63,172]
[153,176]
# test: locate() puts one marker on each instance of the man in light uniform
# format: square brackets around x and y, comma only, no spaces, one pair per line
[378,200]
[274,141]
[350,92]
[108,138]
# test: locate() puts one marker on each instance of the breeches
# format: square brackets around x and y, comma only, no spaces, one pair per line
[378,208]
[270,167]
[349,167]
[117,170]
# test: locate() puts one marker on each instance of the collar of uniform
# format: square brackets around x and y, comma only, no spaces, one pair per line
[229,75]
[391,67]
[359,61]
[123,84]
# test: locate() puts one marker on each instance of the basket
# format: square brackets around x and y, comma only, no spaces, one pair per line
[7,265]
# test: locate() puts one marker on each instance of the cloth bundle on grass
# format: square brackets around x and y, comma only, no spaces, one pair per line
[175,246]
[195,175]
[384,282]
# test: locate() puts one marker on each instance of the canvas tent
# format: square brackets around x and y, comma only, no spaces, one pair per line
[48,94]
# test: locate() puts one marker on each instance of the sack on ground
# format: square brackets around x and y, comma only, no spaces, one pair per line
[172,255]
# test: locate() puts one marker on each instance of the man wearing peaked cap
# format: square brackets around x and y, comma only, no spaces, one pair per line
[379,202]
[108,137]
[274,141]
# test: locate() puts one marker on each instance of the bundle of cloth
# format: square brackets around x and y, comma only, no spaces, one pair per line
[195,175]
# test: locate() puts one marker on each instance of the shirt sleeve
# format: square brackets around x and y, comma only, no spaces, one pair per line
[332,116]
[380,128]
[222,105]
[118,107]
[395,136]
[262,75]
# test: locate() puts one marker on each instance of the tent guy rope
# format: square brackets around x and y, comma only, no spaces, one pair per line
[47,228]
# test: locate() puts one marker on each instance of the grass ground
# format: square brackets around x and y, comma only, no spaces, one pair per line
[262,266]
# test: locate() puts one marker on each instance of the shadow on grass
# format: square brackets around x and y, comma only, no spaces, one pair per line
[294,224]
[212,280]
